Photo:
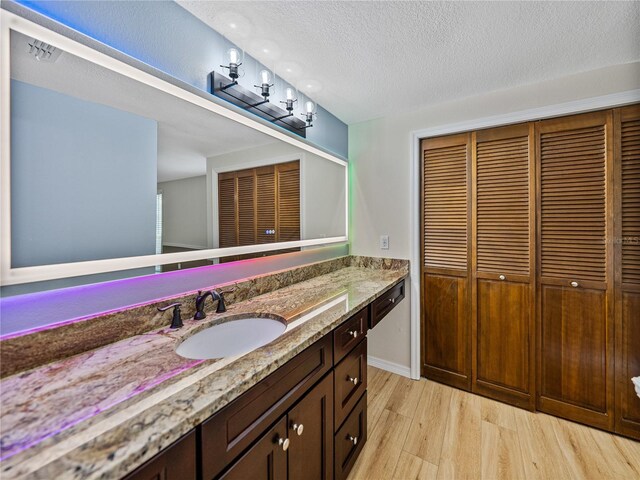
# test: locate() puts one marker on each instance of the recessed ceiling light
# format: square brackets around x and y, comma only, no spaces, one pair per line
[232,25]
[265,50]
[289,70]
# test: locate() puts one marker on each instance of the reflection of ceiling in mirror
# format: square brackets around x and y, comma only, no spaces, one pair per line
[187,134]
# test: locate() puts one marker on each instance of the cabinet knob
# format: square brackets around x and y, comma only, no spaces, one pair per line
[353,333]
[392,300]
[298,428]
[284,443]
[574,284]
[353,380]
[353,440]
[502,277]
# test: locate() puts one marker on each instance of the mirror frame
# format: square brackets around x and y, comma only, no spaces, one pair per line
[11,276]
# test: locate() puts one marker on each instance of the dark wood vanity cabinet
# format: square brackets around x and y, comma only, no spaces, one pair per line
[177,462]
[305,421]
[265,460]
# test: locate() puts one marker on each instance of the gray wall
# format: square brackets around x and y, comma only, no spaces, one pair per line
[184,212]
[83,179]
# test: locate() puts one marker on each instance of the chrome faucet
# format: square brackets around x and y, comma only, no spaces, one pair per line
[200,301]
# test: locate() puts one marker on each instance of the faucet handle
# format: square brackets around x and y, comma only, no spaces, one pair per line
[176,321]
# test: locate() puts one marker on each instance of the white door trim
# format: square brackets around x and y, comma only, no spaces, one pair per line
[561,109]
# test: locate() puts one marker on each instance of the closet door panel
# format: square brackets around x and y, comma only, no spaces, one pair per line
[627,128]
[576,268]
[503,214]
[266,204]
[503,340]
[446,329]
[574,340]
[227,217]
[288,229]
[445,267]
[246,184]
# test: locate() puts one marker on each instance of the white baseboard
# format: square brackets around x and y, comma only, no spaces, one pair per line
[389,366]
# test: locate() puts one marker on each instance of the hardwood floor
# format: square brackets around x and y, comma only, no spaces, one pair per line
[425,430]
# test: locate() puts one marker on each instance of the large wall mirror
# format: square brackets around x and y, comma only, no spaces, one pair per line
[110,172]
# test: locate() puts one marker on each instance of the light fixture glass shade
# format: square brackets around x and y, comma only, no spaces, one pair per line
[290,93]
[265,76]
[234,56]
[309,107]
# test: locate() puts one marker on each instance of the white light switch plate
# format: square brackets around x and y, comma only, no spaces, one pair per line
[384,242]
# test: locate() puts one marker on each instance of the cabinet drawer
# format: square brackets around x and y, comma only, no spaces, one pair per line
[230,431]
[177,462]
[349,334]
[350,382]
[384,304]
[350,439]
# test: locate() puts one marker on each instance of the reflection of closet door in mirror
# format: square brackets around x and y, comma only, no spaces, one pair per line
[259,205]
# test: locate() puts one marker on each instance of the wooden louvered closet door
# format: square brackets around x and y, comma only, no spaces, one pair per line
[503,217]
[259,205]
[445,266]
[576,268]
[288,185]
[627,132]
[227,211]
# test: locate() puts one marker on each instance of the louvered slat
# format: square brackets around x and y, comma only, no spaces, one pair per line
[572,190]
[227,211]
[502,210]
[445,206]
[289,202]
[266,204]
[630,150]
[246,209]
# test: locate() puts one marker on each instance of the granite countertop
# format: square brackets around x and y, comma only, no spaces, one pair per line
[101,413]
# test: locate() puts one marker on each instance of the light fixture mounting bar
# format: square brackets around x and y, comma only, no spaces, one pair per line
[225,88]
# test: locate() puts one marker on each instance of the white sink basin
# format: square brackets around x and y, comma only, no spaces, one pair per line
[235,337]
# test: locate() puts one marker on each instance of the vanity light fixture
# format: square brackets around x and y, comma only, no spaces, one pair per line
[309,112]
[234,63]
[258,103]
[265,84]
[291,98]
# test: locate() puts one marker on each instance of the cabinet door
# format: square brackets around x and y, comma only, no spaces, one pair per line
[311,434]
[177,462]
[266,459]
[576,268]
[503,218]
[627,129]
[445,266]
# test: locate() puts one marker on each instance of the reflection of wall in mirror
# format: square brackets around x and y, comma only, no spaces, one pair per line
[83,179]
[322,187]
[184,213]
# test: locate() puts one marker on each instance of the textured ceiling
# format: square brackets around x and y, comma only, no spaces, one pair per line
[367,59]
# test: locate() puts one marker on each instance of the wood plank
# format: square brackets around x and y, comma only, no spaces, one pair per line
[411,467]
[501,457]
[405,397]
[462,437]
[426,434]
[380,455]
[539,447]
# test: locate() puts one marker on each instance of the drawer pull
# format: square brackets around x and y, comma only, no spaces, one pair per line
[298,428]
[353,380]
[353,440]
[392,299]
[284,443]
[353,333]
[502,277]
[574,284]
